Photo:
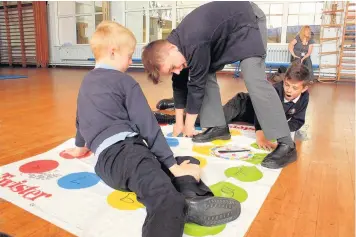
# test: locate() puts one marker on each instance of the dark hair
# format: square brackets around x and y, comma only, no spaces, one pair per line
[297,71]
[152,56]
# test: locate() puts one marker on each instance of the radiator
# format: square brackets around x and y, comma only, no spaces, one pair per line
[138,51]
[275,53]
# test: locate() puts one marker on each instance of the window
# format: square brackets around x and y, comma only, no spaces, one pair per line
[182,12]
[191,3]
[135,19]
[136,22]
[304,13]
[85,16]
[11,3]
[186,7]
[83,7]
[85,28]
[160,4]
[159,21]
[136,5]
[274,15]
[152,20]
[350,29]
[160,24]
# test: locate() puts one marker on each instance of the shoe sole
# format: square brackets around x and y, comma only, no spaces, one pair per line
[225,137]
[272,165]
[214,211]
[164,107]
[165,121]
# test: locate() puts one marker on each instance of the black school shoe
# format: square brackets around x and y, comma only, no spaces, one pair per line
[164,118]
[165,104]
[211,211]
[280,157]
[211,134]
[4,235]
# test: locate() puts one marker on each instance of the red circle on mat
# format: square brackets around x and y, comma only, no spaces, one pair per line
[39,166]
[65,155]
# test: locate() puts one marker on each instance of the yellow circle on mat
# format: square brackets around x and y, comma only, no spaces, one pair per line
[124,200]
[203,150]
[202,161]
[221,142]
[235,132]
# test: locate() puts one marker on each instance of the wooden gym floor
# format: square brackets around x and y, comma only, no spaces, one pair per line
[313,197]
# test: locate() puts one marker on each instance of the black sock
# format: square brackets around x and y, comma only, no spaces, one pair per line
[286,140]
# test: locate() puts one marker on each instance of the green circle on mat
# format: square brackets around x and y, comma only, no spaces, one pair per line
[244,173]
[257,158]
[197,230]
[229,190]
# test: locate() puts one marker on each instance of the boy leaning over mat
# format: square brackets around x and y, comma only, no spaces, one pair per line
[292,92]
[115,121]
[210,37]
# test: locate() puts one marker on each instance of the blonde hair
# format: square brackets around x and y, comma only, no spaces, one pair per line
[110,33]
[302,35]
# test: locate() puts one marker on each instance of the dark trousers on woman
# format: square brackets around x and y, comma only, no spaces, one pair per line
[308,63]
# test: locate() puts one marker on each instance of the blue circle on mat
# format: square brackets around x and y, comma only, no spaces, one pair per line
[172,141]
[171,135]
[181,135]
[78,180]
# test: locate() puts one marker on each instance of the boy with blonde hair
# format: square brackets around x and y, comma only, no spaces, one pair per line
[115,121]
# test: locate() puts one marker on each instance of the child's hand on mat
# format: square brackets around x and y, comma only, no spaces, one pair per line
[263,143]
[77,151]
[186,169]
[177,129]
[190,169]
[189,131]
[179,125]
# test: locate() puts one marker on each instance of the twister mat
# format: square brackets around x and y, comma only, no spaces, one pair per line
[67,192]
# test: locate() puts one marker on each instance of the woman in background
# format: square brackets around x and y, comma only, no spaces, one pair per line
[301,48]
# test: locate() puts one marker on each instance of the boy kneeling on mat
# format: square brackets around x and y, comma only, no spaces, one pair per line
[292,91]
[115,121]
[294,95]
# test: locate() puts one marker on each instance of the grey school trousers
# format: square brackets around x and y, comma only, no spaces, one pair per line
[265,100]
[211,112]
[267,105]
